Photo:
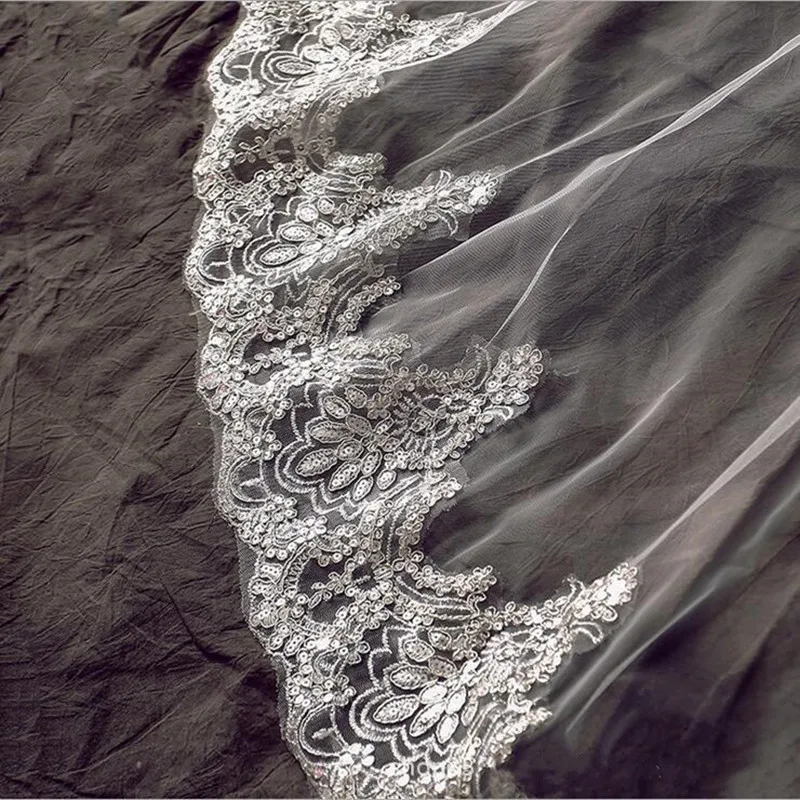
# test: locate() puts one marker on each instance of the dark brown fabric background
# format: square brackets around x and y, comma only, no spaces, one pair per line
[126,669]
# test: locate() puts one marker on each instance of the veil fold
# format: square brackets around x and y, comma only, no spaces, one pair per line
[483,309]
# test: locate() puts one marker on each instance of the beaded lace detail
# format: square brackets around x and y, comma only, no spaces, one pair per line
[398,679]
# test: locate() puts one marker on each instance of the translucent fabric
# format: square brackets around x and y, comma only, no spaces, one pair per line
[621,241]
[614,212]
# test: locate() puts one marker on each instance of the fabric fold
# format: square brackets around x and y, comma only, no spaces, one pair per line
[335,448]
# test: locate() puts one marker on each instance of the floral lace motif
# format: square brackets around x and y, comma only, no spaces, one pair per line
[398,679]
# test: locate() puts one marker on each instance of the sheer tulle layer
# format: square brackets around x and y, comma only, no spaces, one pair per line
[646,235]
[635,216]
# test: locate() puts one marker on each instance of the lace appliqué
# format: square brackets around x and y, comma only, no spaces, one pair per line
[399,680]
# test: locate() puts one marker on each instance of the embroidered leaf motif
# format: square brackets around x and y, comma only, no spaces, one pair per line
[441,667]
[327,432]
[446,728]
[440,639]
[335,407]
[316,462]
[294,67]
[347,451]
[359,425]
[426,719]
[386,479]
[469,711]
[396,710]
[309,247]
[355,396]
[433,694]
[307,213]
[417,650]
[456,700]
[323,229]
[343,476]
[409,677]
[325,205]
[295,232]
[362,488]
[276,256]
[371,462]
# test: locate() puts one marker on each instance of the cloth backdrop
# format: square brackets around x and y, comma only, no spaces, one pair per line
[645,234]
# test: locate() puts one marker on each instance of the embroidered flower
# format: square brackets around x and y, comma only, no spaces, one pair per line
[358,754]
[356,449]
[398,680]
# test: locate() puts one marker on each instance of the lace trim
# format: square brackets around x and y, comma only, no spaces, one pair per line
[398,679]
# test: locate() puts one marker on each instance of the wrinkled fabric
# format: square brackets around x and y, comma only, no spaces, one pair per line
[126,669]
[667,301]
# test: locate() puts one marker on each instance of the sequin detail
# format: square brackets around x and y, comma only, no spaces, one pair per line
[398,679]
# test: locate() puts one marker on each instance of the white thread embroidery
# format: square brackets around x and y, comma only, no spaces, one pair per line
[399,680]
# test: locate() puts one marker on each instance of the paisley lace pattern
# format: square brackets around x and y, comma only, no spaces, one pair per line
[398,679]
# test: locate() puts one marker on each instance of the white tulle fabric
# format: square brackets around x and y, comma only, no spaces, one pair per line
[335,448]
